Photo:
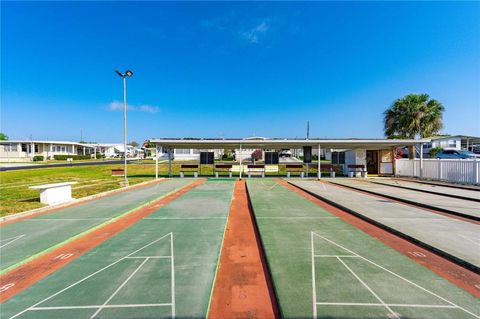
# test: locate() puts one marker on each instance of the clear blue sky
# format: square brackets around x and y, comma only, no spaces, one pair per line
[233,69]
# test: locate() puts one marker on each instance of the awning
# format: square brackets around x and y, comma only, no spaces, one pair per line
[273,143]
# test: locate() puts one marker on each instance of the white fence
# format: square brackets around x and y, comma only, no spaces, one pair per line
[464,171]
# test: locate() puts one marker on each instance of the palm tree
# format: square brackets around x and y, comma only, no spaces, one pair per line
[414,115]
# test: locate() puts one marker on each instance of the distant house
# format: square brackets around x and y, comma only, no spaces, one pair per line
[453,142]
[112,150]
[25,150]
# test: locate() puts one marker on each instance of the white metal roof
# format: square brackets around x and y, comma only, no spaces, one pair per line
[276,143]
[46,142]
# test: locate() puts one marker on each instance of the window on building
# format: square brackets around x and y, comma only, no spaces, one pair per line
[24,148]
[196,151]
[182,151]
[452,143]
[8,147]
[338,157]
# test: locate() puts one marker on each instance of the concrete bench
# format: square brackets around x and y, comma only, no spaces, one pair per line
[118,172]
[189,168]
[291,168]
[256,169]
[223,168]
[354,169]
[328,168]
[271,168]
[57,193]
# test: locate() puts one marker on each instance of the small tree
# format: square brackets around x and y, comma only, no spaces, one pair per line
[134,144]
[256,155]
[3,137]
[434,151]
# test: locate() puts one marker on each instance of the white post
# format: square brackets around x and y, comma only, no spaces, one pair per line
[475,171]
[84,151]
[439,169]
[125,129]
[156,161]
[240,154]
[95,152]
[169,162]
[319,173]
[421,160]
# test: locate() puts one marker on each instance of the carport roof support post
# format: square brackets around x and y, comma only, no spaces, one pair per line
[319,173]
[421,160]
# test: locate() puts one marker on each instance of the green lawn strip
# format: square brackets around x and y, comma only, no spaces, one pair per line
[41,236]
[197,234]
[286,222]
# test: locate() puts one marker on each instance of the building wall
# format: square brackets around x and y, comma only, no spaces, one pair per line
[22,152]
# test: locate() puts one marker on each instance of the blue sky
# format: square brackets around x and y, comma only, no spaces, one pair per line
[211,69]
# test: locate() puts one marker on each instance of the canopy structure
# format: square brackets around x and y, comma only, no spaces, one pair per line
[283,143]
[278,143]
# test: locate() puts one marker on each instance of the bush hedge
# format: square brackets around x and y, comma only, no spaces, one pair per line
[38,158]
[74,157]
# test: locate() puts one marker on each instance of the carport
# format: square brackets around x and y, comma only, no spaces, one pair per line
[356,154]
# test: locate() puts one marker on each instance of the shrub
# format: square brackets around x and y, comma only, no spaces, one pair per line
[99,156]
[257,155]
[74,157]
[38,158]
[434,151]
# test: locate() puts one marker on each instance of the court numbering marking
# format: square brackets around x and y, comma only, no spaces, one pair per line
[105,305]
[450,305]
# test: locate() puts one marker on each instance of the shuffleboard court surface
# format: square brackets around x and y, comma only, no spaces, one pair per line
[446,191]
[322,267]
[454,205]
[26,238]
[161,267]
[454,237]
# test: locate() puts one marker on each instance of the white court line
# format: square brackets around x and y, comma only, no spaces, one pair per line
[87,277]
[12,239]
[295,217]
[314,286]
[173,275]
[119,288]
[105,306]
[57,219]
[382,305]
[143,257]
[469,239]
[369,289]
[398,276]
[160,218]
[336,256]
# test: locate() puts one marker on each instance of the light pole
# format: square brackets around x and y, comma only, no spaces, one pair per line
[128,73]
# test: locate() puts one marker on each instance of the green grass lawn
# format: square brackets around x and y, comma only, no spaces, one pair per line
[15,196]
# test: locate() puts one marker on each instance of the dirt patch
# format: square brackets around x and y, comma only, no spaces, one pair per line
[28,274]
[242,288]
[461,277]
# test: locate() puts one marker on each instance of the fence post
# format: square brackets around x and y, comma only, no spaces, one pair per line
[475,171]
[439,169]
[413,167]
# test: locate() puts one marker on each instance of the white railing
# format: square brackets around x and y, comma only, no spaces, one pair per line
[464,171]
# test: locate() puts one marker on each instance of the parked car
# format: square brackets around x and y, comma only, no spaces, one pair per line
[285,153]
[457,154]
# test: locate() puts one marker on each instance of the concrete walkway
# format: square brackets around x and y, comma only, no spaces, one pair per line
[465,208]
[453,238]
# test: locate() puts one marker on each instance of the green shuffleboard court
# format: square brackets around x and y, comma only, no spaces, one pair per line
[23,239]
[161,267]
[322,267]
